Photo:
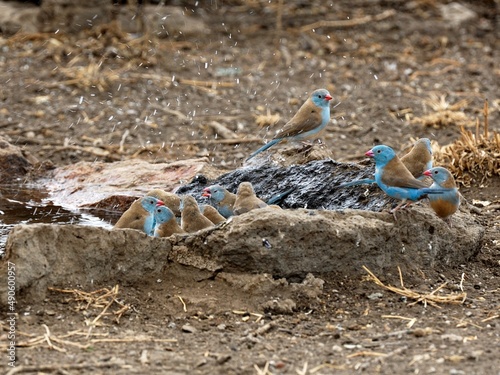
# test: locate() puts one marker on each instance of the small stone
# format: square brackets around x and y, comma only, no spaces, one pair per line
[188,328]
[221,327]
[50,312]
[374,296]
[455,14]
[452,337]
[336,348]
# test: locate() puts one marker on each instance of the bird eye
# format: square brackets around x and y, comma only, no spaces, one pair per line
[436,172]
[378,151]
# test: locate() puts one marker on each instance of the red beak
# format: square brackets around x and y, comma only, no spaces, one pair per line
[328,97]
[160,203]
[206,193]
[369,153]
[428,173]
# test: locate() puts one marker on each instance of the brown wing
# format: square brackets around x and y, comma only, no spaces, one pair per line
[396,174]
[416,160]
[307,118]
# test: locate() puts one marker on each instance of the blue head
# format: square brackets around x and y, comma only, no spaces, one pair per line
[150,203]
[381,154]
[163,214]
[214,193]
[321,98]
[441,176]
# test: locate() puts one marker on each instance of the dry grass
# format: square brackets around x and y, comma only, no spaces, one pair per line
[445,113]
[474,157]
[431,298]
[267,120]
[99,299]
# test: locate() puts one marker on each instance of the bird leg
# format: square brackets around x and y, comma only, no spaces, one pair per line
[398,207]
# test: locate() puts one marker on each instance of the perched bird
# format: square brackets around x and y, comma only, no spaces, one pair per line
[212,214]
[246,200]
[170,200]
[446,204]
[140,215]
[419,159]
[192,219]
[221,199]
[309,120]
[165,222]
[395,179]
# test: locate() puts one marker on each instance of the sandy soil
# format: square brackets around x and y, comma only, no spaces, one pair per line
[70,98]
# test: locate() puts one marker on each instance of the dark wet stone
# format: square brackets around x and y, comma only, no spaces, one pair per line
[314,185]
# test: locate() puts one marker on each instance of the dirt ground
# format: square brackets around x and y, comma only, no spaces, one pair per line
[101,96]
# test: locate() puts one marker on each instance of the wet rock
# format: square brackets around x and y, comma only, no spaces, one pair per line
[13,164]
[314,184]
[104,185]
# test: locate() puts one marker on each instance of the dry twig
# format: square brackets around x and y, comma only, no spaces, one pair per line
[350,23]
[425,298]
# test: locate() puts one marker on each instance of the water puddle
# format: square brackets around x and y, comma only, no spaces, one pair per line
[28,204]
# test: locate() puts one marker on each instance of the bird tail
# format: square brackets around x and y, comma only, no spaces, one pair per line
[264,148]
[434,191]
[275,199]
[357,182]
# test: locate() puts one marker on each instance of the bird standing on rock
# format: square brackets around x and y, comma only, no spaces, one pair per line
[140,215]
[212,214]
[170,200]
[395,179]
[165,222]
[446,204]
[246,199]
[309,120]
[221,199]
[419,159]
[192,219]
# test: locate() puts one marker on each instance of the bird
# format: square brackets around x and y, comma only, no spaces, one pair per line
[246,200]
[419,159]
[309,120]
[165,222]
[395,179]
[446,204]
[192,219]
[140,215]
[170,200]
[221,199]
[212,214]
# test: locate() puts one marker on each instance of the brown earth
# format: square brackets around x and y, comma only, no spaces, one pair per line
[99,95]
